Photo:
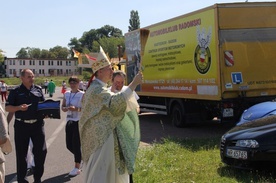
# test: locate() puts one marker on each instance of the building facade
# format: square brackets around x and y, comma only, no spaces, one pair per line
[41,67]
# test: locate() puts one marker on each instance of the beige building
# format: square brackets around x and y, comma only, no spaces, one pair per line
[41,67]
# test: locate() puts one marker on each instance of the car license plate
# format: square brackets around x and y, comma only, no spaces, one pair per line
[237,154]
[228,112]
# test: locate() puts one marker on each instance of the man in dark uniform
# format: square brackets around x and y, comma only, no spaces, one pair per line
[23,101]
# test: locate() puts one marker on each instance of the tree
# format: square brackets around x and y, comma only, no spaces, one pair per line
[1,55]
[75,43]
[85,43]
[2,63]
[88,38]
[59,52]
[44,53]
[109,31]
[22,53]
[134,21]
[34,52]
[109,45]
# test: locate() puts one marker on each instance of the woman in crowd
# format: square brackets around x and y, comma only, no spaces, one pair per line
[72,105]
[63,87]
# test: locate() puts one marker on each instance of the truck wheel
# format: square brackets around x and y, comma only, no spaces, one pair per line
[178,118]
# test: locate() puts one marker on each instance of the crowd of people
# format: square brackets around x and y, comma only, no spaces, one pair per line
[50,87]
[98,123]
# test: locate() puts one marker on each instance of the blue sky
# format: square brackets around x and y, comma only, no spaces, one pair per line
[46,24]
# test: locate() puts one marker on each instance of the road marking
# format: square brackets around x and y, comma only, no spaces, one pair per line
[55,134]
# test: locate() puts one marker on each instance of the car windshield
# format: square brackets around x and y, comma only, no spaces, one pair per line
[255,123]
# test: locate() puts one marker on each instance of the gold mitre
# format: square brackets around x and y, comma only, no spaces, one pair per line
[101,62]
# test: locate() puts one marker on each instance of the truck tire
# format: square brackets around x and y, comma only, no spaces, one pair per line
[177,115]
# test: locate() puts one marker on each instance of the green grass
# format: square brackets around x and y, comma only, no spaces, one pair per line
[191,161]
[39,80]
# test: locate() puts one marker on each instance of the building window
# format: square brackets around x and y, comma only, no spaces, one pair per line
[41,71]
[13,62]
[23,62]
[20,62]
[39,63]
[50,62]
[31,62]
[43,63]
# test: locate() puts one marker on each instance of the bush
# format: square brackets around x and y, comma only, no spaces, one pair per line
[86,75]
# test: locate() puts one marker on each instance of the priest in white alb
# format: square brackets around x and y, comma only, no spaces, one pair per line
[105,127]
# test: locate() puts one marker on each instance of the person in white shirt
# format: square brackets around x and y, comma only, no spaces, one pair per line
[81,85]
[72,105]
[85,84]
[118,84]
[4,89]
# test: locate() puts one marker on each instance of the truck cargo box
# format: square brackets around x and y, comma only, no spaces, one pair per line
[220,53]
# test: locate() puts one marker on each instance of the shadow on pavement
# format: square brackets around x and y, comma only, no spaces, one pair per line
[154,127]
[59,179]
[10,177]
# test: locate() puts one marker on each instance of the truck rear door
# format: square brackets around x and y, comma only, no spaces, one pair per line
[247,36]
